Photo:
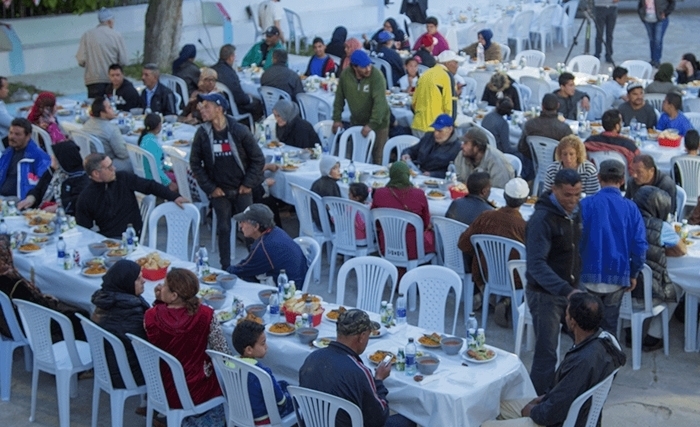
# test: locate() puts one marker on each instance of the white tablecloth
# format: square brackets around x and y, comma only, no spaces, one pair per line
[662,155]
[685,272]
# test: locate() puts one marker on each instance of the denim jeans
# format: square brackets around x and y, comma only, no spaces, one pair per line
[656,31]
[548,312]
[605,18]
[225,207]
[611,307]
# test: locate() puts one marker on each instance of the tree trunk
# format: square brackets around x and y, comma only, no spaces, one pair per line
[163,28]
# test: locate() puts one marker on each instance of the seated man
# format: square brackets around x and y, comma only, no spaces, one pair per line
[594,356]
[320,64]
[672,116]
[469,207]
[261,52]
[386,52]
[109,201]
[435,150]
[272,250]
[611,140]
[637,108]
[21,146]
[357,384]
[121,90]
[478,156]
[229,78]
[616,86]
[440,44]
[644,172]
[281,77]
[99,124]
[569,97]
[155,96]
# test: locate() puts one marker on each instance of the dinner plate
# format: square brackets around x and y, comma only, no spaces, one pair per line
[91,275]
[435,197]
[382,173]
[225,316]
[377,363]
[24,251]
[382,332]
[428,345]
[277,145]
[39,233]
[433,183]
[472,360]
[115,243]
[325,316]
[181,143]
[695,234]
[322,342]
[278,334]
[289,169]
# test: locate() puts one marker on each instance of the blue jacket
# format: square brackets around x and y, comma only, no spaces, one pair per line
[680,123]
[613,243]
[257,401]
[30,173]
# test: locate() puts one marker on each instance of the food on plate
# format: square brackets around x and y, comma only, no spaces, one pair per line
[379,355]
[43,229]
[436,194]
[592,81]
[323,342]
[252,318]
[653,132]
[289,168]
[39,239]
[481,354]
[41,219]
[377,184]
[430,340]
[112,244]
[432,183]
[274,144]
[418,378]
[152,261]
[116,252]
[95,269]
[181,143]
[224,316]
[695,233]
[597,124]
[210,278]
[335,313]
[297,305]
[206,291]
[29,247]
[413,173]
[381,173]
[531,200]
[282,328]
[480,116]
[688,242]
[376,332]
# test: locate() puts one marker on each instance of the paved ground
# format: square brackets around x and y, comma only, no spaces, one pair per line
[665,391]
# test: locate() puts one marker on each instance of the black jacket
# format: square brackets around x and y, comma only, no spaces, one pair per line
[662,181]
[248,156]
[70,190]
[281,77]
[491,96]
[229,77]
[467,208]
[432,157]
[426,58]
[298,133]
[189,72]
[662,6]
[394,60]
[128,96]
[163,100]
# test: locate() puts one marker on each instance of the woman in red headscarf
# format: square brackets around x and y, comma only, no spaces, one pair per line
[42,115]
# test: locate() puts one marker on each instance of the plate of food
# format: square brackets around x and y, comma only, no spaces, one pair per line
[40,240]
[280,329]
[181,143]
[688,242]
[377,330]
[63,112]
[289,168]
[432,183]
[652,134]
[209,279]
[531,200]
[112,244]
[378,184]
[224,316]
[29,248]
[43,230]
[116,253]
[44,218]
[94,271]
[332,315]
[322,342]
[430,341]
[695,234]
[436,195]
[484,354]
[380,173]
[379,355]
[275,144]
[207,291]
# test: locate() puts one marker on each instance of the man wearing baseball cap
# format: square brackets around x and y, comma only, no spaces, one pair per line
[425,50]
[436,93]
[227,163]
[363,87]
[478,156]
[386,52]
[636,107]
[272,249]
[260,53]
[436,149]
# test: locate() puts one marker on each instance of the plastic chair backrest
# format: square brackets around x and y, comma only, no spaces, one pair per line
[399,143]
[255,20]
[638,68]
[405,25]
[318,409]
[87,143]
[482,78]
[681,200]
[324,130]
[312,252]
[293,19]
[542,150]
[448,232]
[626,306]
[570,9]
[344,211]
[524,94]
[598,157]
[500,31]
[538,88]
[515,162]
[517,266]
[587,64]
[505,52]
[655,100]
[139,158]
[146,205]
[11,320]
[493,263]
[543,21]
[18,187]
[270,96]
[40,134]
[393,224]
[314,109]
[373,274]
[489,136]
[598,394]
[385,69]
[361,146]
[600,100]
[303,200]
[470,85]
[179,87]
[691,105]
[234,108]
[694,119]
[520,27]
[533,58]
[180,167]
[434,284]
[180,222]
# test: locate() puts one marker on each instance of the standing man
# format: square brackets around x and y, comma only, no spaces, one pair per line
[159,98]
[99,48]
[637,108]
[5,117]
[605,18]
[271,12]
[569,97]
[261,52]
[363,86]
[21,146]
[281,77]
[553,269]
[229,78]
[227,163]
[613,244]
[121,90]
[416,10]
[436,93]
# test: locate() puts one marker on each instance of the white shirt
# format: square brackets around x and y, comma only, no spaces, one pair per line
[5,120]
[269,12]
[614,88]
[403,83]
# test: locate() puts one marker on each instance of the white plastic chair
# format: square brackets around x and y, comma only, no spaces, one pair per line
[655,100]
[505,52]
[180,222]
[598,394]
[180,169]
[179,87]
[233,374]
[318,409]
[40,134]
[385,68]
[492,254]
[598,157]
[500,31]
[345,242]
[361,146]
[691,105]
[542,149]
[270,96]
[87,143]
[587,64]
[482,78]
[296,32]
[303,201]
[638,68]
[399,143]
[600,100]
[636,317]
[234,108]
[8,346]
[681,201]
[533,58]
[373,274]
[434,283]
[324,130]
[520,29]
[314,109]
[312,252]
[470,86]
[515,162]
[541,26]
[566,26]
[138,155]
[524,95]
[694,119]
[146,205]
[99,339]
[404,24]
[64,359]
[538,88]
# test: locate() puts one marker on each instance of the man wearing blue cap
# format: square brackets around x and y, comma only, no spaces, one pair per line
[227,163]
[435,150]
[386,52]
[363,86]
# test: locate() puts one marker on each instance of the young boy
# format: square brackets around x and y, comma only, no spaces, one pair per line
[250,342]
[692,140]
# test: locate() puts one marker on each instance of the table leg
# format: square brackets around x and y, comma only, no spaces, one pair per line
[691,322]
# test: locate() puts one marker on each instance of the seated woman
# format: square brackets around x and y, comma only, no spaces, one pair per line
[180,325]
[119,309]
[688,69]
[492,51]
[390,25]
[42,114]
[662,80]
[399,193]
[408,81]
[185,68]
[207,84]
[501,85]
[327,184]
[336,46]
[571,154]
[291,128]
[149,142]
[62,182]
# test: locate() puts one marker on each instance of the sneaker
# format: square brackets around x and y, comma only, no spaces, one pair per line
[651,343]
[501,312]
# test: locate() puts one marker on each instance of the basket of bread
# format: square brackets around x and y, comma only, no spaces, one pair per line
[458,190]
[294,307]
[669,138]
[153,267]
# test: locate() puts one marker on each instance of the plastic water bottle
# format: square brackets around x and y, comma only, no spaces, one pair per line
[60,251]
[282,280]
[451,172]
[479,54]
[389,314]
[633,127]
[62,220]
[382,313]
[3,226]
[471,322]
[351,171]
[274,307]
[401,310]
[410,357]
[268,133]
[202,261]
[471,339]
[130,234]
[480,338]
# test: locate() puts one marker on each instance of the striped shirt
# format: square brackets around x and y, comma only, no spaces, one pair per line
[587,171]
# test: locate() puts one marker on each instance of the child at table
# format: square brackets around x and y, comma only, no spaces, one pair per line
[250,342]
[408,81]
[359,192]
[149,142]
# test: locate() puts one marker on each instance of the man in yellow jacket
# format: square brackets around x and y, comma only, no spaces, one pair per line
[436,93]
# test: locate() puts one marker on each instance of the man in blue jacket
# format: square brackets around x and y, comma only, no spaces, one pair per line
[21,147]
[613,245]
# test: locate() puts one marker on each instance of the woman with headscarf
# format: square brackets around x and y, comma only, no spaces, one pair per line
[42,114]
[492,51]
[390,25]
[119,309]
[185,68]
[291,128]
[662,80]
[179,324]
[688,69]
[63,181]
[336,46]
[327,184]
[501,85]
[351,45]
[400,194]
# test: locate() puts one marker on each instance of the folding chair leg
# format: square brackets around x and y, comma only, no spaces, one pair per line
[64,393]
[468,286]
[96,404]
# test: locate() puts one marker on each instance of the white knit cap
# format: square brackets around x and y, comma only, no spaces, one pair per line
[517,188]
[104,15]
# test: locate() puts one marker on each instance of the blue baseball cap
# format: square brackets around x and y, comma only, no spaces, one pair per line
[216,98]
[384,36]
[442,121]
[360,58]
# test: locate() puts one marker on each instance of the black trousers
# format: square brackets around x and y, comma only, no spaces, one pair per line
[605,18]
